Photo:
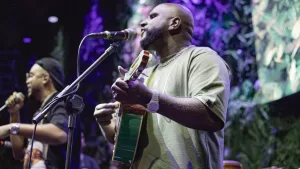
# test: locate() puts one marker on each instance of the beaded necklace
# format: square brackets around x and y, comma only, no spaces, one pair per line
[174,57]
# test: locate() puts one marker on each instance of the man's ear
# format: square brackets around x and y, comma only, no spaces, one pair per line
[46,79]
[175,24]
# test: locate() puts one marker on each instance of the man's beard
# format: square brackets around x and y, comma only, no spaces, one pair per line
[33,93]
[151,36]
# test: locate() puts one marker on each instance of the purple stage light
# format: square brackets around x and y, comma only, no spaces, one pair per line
[27,40]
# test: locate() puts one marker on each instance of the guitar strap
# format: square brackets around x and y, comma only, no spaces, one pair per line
[46,146]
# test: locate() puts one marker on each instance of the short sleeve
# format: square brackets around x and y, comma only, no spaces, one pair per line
[59,117]
[209,81]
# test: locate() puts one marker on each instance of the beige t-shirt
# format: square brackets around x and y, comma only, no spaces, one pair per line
[197,73]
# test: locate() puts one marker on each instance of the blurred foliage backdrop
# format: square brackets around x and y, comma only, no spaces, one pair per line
[277,28]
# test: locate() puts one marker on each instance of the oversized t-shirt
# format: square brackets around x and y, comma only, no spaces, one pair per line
[56,154]
[196,72]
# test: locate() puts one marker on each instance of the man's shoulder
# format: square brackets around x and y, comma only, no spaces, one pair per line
[199,50]
[208,56]
[59,106]
[205,54]
[56,105]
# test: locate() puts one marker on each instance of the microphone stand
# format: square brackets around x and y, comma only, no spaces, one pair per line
[74,106]
[68,90]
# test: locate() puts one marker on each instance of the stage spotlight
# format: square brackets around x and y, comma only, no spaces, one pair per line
[27,40]
[52,19]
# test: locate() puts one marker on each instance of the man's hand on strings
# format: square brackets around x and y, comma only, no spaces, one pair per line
[131,92]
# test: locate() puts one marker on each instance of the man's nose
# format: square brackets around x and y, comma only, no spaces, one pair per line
[143,23]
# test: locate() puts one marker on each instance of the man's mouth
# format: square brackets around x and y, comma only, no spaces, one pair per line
[143,31]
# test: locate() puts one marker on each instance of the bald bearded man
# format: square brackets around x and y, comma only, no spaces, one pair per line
[186,96]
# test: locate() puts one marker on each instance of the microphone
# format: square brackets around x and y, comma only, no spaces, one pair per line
[127,34]
[6,144]
[16,99]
